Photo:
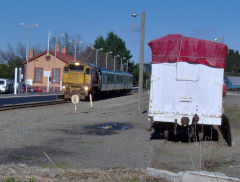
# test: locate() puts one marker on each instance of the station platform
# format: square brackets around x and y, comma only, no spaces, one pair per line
[13,99]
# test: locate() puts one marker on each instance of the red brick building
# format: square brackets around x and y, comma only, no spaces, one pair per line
[41,65]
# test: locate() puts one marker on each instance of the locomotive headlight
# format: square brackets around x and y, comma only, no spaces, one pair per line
[64,87]
[86,88]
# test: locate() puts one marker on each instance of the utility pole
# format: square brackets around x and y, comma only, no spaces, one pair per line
[27,51]
[140,88]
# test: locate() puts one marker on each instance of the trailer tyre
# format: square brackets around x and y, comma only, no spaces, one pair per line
[225,129]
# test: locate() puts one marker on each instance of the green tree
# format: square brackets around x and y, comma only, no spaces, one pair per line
[113,43]
[233,61]
[146,75]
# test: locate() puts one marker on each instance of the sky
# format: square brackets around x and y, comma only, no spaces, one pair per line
[205,19]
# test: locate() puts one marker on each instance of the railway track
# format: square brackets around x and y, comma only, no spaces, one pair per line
[33,104]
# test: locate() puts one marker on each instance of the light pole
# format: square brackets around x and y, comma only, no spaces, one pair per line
[115,61]
[55,55]
[127,66]
[140,82]
[217,39]
[100,49]
[75,48]
[110,52]
[27,50]
[121,63]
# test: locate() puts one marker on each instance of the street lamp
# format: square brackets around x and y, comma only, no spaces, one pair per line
[218,40]
[75,47]
[100,49]
[121,63]
[54,70]
[127,66]
[140,82]
[110,52]
[27,49]
[115,61]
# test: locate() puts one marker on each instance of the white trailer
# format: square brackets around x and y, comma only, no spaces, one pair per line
[187,87]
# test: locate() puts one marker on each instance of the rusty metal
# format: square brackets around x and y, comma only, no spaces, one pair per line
[193,129]
[151,124]
[195,119]
[175,127]
[166,133]
[185,121]
[220,136]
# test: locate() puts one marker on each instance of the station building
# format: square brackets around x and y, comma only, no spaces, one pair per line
[41,69]
[232,82]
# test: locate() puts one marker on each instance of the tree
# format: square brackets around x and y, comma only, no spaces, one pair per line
[146,75]
[69,41]
[116,45]
[233,61]
[14,57]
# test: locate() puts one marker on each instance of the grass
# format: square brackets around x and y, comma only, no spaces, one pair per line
[131,180]
[233,114]
[60,165]
[89,175]
[23,157]
[14,180]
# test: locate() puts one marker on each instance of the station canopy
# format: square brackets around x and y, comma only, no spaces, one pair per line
[178,48]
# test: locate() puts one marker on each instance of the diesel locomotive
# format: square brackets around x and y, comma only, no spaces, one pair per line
[85,79]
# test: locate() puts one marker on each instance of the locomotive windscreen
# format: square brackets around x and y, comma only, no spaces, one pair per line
[76,68]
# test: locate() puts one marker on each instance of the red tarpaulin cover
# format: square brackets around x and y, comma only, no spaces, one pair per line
[175,47]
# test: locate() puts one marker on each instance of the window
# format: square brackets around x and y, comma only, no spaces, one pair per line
[65,69]
[57,75]
[38,75]
[76,68]
[87,71]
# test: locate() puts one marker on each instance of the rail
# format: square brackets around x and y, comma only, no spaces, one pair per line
[33,104]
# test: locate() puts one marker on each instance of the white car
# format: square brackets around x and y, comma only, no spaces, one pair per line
[6,85]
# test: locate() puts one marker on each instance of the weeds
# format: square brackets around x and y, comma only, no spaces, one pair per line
[14,180]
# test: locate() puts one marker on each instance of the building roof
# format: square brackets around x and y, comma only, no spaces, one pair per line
[64,57]
[235,80]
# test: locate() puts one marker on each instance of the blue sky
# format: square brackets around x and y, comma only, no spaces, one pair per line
[205,19]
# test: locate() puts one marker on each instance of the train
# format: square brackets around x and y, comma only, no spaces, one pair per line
[85,79]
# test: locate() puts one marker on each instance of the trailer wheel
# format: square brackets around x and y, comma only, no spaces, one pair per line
[225,129]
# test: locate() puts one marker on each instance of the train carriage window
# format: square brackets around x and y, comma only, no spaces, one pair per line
[87,71]
[111,78]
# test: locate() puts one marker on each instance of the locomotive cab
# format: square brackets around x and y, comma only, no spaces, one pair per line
[76,80]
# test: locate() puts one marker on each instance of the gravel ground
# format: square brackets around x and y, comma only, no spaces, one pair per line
[54,136]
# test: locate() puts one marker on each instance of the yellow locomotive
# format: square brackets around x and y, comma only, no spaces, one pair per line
[85,79]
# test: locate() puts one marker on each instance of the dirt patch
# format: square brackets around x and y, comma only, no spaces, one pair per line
[32,155]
